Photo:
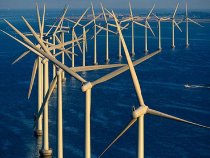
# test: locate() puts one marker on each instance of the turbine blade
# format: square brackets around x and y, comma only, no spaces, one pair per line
[102,28]
[75,36]
[177,26]
[21,56]
[108,12]
[92,20]
[68,54]
[46,98]
[137,23]
[125,27]
[150,29]
[95,67]
[105,18]
[27,46]
[38,18]
[43,19]
[96,33]
[160,114]
[33,77]
[127,19]
[120,135]
[49,56]
[73,21]
[175,10]
[81,17]
[131,12]
[186,9]
[55,22]
[61,20]
[150,11]
[130,64]
[123,69]
[93,13]
[195,22]
[155,16]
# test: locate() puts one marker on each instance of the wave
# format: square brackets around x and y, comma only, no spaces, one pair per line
[198,86]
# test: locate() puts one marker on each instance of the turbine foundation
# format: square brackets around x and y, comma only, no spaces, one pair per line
[45,153]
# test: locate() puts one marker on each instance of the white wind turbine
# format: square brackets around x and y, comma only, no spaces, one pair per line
[106,28]
[146,28]
[74,36]
[52,34]
[97,32]
[187,22]
[173,24]
[37,66]
[107,34]
[84,36]
[159,20]
[138,114]
[132,19]
[122,28]
[95,36]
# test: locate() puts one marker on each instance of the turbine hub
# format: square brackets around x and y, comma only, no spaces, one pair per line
[86,86]
[142,110]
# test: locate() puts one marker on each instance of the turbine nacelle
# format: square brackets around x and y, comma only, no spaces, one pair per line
[142,110]
[86,86]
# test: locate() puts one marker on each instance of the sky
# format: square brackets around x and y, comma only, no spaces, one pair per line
[161,4]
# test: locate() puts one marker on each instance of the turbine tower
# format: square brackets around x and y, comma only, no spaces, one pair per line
[187,24]
[173,24]
[133,22]
[159,20]
[148,27]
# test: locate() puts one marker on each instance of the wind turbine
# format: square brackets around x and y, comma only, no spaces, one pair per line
[74,36]
[97,32]
[95,36]
[187,22]
[138,114]
[84,36]
[173,24]
[148,27]
[62,38]
[37,66]
[132,19]
[107,35]
[159,20]
[122,28]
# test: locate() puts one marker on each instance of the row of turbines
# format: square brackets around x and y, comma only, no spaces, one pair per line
[52,46]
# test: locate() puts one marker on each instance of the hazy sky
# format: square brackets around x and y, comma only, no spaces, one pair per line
[19,4]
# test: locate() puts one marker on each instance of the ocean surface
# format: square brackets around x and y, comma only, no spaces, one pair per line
[162,80]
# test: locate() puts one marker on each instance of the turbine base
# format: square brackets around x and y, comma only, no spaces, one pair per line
[38,133]
[45,153]
[107,61]
[120,57]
